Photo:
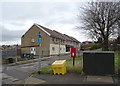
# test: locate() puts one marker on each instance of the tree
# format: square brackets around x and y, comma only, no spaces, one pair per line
[100,21]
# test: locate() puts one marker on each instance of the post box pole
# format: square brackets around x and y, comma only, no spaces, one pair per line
[73,61]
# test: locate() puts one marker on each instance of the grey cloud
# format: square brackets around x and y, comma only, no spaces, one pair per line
[11,35]
[44,12]
[17,23]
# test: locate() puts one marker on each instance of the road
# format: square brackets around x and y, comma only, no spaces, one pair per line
[18,73]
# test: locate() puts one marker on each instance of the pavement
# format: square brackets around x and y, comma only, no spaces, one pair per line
[100,79]
[70,78]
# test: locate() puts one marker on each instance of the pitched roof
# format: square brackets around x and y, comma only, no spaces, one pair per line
[56,34]
[51,32]
[46,30]
[73,39]
[63,35]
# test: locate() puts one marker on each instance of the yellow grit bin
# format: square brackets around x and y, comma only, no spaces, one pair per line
[59,67]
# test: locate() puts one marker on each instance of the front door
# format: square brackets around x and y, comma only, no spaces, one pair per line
[33,50]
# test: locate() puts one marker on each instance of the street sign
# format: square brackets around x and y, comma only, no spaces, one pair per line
[39,38]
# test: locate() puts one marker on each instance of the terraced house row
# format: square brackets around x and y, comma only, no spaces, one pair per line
[53,42]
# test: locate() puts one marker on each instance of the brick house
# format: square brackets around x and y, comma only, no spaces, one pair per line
[53,42]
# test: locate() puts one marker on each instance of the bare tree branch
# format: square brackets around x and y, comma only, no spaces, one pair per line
[100,19]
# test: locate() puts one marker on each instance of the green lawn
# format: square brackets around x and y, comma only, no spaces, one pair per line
[77,68]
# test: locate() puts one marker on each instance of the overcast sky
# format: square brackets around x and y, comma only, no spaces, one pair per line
[18,17]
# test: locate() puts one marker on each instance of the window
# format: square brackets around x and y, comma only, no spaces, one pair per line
[60,40]
[60,48]
[68,48]
[53,39]
[63,41]
[56,40]
[33,50]
[53,49]
[32,40]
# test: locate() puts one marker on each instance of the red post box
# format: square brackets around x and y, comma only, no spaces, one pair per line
[73,52]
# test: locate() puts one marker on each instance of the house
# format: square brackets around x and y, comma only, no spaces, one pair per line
[1,48]
[11,51]
[53,42]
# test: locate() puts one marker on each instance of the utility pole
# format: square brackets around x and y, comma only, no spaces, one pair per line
[39,61]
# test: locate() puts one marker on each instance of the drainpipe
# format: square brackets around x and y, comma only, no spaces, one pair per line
[59,47]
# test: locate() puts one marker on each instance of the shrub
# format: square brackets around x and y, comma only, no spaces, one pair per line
[95,46]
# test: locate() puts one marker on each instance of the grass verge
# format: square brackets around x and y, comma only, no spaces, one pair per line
[77,68]
[117,61]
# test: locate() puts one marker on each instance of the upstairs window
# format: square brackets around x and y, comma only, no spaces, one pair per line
[53,39]
[53,49]
[60,48]
[56,40]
